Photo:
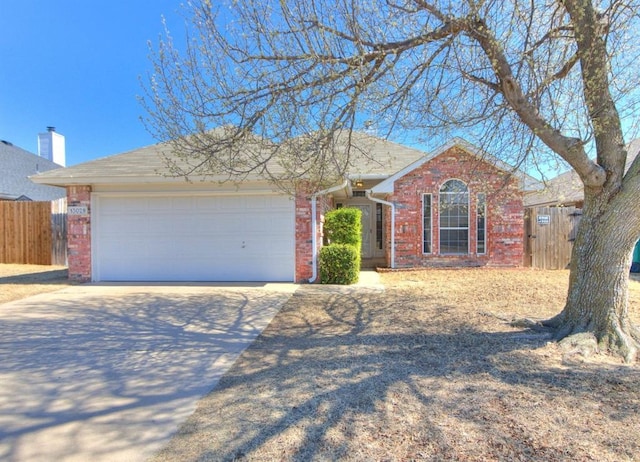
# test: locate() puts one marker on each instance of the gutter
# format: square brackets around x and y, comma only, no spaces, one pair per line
[369,176]
[393,224]
[314,234]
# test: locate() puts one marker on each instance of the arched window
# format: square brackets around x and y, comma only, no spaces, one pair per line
[454,218]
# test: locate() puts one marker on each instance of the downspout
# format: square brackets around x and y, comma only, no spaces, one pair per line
[314,223]
[393,224]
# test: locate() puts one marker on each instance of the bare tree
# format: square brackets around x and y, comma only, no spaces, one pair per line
[534,80]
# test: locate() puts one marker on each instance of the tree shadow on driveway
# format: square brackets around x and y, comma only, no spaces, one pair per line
[365,375]
[93,373]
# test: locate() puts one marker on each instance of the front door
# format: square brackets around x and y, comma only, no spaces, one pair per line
[366,228]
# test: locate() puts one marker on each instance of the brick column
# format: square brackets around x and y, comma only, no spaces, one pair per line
[304,245]
[79,232]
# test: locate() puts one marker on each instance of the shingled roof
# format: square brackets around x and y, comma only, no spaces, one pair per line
[371,158]
[149,164]
[16,165]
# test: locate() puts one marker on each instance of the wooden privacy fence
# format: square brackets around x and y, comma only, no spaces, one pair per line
[33,232]
[549,236]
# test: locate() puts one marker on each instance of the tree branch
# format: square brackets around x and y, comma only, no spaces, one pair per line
[594,62]
[570,149]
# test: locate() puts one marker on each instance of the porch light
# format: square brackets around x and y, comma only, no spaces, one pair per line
[358,183]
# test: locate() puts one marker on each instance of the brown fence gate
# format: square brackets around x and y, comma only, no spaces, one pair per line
[59,232]
[33,232]
[550,232]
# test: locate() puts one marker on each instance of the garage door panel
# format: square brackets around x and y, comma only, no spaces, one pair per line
[216,238]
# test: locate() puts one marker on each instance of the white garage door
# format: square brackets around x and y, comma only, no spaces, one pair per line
[194,238]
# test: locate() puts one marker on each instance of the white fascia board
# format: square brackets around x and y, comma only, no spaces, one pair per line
[155,179]
[367,176]
[384,187]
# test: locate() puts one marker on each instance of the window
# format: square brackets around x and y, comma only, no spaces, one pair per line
[454,218]
[379,242]
[426,223]
[481,241]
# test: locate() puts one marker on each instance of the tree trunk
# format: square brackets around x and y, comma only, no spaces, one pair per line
[597,300]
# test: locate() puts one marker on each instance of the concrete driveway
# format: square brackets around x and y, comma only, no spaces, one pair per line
[108,372]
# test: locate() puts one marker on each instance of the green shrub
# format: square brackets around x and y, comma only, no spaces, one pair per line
[339,264]
[344,226]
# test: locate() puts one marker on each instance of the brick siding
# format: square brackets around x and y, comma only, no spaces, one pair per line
[304,243]
[504,221]
[304,236]
[79,234]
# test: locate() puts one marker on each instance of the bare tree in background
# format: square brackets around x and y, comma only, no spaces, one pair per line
[533,80]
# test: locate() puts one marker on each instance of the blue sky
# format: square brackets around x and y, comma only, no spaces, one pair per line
[76,65]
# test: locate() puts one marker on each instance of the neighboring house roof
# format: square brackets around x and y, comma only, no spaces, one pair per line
[16,165]
[371,157]
[567,188]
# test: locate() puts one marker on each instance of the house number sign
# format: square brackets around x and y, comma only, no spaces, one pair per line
[77,210]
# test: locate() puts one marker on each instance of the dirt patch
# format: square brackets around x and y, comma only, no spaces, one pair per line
[429,369]
[21,281]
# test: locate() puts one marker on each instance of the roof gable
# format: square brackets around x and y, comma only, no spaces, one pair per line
[387,186]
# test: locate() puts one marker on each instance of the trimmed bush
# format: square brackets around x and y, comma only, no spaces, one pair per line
[340,260]
[344,226]
[339,264]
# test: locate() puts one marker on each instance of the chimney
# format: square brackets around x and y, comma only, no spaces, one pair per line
[51,146]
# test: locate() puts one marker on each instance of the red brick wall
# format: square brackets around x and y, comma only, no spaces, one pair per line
[79,234]
[504,221]
[304,247]
[304,237]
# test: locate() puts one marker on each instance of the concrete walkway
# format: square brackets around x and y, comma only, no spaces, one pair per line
[109,372]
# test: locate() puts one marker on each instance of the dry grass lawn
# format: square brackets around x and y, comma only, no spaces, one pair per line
[429,369]
[21,281]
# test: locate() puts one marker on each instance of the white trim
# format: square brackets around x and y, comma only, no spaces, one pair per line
[43,178]
[368,176]
[94,223]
